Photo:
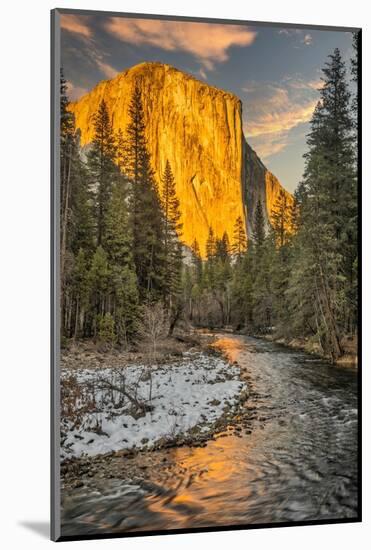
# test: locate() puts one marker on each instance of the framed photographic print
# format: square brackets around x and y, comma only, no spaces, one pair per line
[205,270]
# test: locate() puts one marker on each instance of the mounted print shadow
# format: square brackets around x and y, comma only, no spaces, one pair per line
[205,274]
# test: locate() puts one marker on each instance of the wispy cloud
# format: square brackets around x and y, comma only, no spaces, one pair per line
[297,83]
[75,92]
[281,121]
[270,145]
[274,109]
[79,25]
[105,68]
[209,43]
[299,36]
[202,73]
[76,24]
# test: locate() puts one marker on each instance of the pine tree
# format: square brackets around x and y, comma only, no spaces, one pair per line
[210,245]
[81,224]
[118,236]
[263,250]
[239,238]
[281,219]
[218,275]
[258,226]
[242,291]
[99,283]
[197,286]
[262,298]
[102,166]
[126,307]
[145,205]
[121,151]
[354,68]
[123,282]
[352,262]
[68,152]
[76,228]
[172,234]
[197,261]
[280,272]
[221,285]
[222,248]
[327,231]
[79,296]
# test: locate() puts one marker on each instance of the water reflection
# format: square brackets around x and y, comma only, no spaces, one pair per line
[230,346]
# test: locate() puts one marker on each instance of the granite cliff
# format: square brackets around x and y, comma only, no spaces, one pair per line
[198,128]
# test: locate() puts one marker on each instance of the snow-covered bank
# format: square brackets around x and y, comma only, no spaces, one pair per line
[136,406]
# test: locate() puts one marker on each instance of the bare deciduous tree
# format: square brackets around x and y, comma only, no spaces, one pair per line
[153,328]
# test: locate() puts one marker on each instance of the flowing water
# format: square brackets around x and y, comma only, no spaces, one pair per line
[296,462]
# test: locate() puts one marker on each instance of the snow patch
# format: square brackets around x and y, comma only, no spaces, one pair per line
[192,393]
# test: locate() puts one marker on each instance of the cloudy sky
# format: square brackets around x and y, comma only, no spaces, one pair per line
[274,70]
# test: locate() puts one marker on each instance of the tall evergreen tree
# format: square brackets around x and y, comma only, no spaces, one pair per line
[78,297]
[76,227]
[81,225]
[210,245]
[354,68]
[118,235]
[102,166]
[239,238]
[281,219]
[99,284]
[147,221]
[242,291]
[222,248]
[197,261]
[121,151]
[68,153]
[258,226]
[327,232]
[172,235]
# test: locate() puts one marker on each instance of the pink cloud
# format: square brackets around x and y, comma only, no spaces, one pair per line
[269,145]
[273,109]
[105,68]
[207,41]
[75,24]
[281,120]
[78,25]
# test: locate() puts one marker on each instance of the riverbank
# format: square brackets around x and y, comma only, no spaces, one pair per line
[349,345]
[198,393]
[87,354]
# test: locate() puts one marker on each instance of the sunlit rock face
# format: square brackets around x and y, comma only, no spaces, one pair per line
[259,183]
[198,128]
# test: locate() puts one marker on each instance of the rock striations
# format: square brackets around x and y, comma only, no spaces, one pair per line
[198,128]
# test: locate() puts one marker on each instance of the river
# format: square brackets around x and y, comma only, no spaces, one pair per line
[296,462]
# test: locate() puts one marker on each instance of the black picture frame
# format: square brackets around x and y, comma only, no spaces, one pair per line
[55,273]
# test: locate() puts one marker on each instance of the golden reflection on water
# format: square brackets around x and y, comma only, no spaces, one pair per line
[231,347]
[210,474]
